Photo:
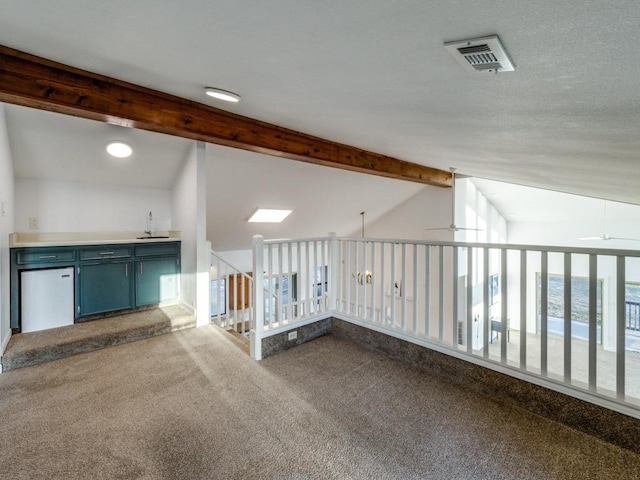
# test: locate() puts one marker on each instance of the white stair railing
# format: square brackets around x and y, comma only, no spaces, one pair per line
[232,305]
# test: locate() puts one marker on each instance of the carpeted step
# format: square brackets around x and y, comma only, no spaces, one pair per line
[33,348]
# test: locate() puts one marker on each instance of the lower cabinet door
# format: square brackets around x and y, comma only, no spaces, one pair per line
[156,281]
[105,287]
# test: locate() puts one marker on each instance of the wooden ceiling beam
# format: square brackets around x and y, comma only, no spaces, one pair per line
[40,83]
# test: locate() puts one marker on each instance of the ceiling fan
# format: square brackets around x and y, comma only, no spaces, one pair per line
[453,227]
[605,235]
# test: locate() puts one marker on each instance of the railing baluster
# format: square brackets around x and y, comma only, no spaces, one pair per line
[504,321]
[373,281]
[316,294]
[593,319]
[454,278]
[441,293]
[567,318]
[230,313]
[307,280]
[485,303]
[349,275]
[300,291]
[394,285]
[523,310]
[358,276]
[342,269]
[270,282]
[469,286]
[324,271]
[383,286]
[620,326]
[290,315]
[415,289]
[236,301]
[427,291]
[544,312]
[219,293]
[278,281]
[364,280]
[403,288]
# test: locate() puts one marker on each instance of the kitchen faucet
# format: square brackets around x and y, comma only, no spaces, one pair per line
[149,221]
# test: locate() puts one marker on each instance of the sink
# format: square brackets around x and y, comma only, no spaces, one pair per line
[151,237]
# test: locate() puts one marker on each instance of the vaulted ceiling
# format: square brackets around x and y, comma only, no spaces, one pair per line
[374,74]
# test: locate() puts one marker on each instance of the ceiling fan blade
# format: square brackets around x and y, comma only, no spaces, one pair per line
[454,228]
[469,229]
[602,237]
[451,228]
[626,239]
[607,237]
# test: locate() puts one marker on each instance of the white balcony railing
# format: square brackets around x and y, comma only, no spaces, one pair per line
[551,315]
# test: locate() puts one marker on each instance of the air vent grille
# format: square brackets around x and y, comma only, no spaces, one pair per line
[484,54]
[474,49]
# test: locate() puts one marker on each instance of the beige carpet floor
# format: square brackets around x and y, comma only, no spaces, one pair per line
[192,405]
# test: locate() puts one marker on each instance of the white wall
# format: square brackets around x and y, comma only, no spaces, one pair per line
[430,207]
[7,209]
[79,207]
[240,259]
[184,216]
[474,210]
[189,216]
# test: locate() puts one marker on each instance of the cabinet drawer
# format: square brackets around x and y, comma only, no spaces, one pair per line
[105,252]
[46,256]
[156,250]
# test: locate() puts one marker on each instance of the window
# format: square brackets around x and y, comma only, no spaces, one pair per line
[579,306]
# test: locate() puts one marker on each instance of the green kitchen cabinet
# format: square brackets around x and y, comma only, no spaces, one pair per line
[108,277]
[156,280]
[105,287]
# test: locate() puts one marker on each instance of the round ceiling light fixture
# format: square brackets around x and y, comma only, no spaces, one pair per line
[222,94]
[119,149]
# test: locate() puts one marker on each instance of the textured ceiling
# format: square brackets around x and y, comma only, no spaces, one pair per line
[374,74]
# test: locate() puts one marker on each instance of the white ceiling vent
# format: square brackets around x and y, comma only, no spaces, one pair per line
[484,54]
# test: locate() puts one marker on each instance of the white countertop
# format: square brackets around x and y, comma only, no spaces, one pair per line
[58,239]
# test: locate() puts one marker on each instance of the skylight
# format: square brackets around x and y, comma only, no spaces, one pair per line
[269,215]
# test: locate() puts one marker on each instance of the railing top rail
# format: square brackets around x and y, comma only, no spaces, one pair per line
[502,246]
[296,240]
[497,246]
[231,265]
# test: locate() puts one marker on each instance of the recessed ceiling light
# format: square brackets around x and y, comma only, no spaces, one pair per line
[222,94]
[119,149]
[269,215]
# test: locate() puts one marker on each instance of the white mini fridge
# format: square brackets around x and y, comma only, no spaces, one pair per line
[47,299]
